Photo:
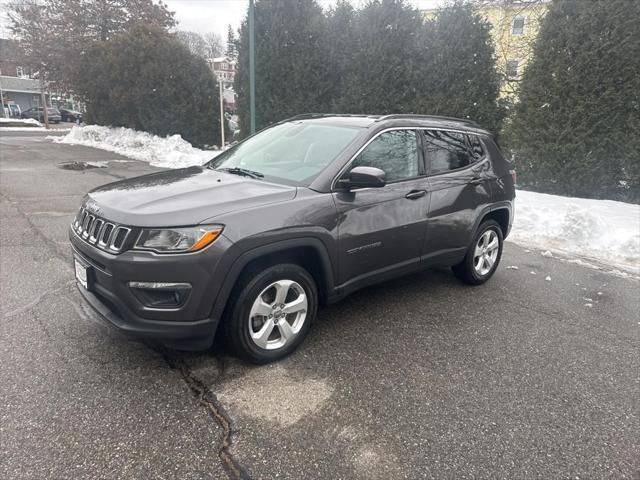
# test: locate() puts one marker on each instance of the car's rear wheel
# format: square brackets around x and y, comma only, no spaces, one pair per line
[483,255]
[272,313]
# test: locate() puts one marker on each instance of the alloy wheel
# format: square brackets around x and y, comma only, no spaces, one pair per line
[486,252]
[278,314]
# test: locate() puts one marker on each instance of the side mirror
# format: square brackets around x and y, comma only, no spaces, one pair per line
[364,177]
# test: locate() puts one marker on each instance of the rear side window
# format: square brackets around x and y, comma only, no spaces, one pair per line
[446,151]
[476,147]
[395,152]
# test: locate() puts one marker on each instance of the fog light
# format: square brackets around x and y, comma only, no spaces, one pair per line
[161,294]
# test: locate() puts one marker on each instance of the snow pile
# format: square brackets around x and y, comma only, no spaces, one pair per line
[20,124]
[601,230]
[168,152]
[25,121]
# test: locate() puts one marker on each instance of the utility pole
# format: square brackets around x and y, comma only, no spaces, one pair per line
[252,65]
[43,100]
[4,114]
[221,113]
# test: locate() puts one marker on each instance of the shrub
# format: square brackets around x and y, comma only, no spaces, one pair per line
[148,80]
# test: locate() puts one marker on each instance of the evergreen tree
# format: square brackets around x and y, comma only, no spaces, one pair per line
[232,47]
[382,72]
[380,59]
[340,51]
[291,64]
[576,130]
[148,80]
[458,76]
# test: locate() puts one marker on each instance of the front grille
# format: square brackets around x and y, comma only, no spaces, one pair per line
[97,231]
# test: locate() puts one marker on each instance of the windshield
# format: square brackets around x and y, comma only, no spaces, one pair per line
[292,153]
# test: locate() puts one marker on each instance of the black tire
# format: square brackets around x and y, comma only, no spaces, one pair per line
[466,270]
[237,323]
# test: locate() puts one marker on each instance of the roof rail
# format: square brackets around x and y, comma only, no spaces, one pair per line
[302,116]
[428,117]
[305,115]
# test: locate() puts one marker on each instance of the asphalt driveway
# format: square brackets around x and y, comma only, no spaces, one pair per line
[421,377]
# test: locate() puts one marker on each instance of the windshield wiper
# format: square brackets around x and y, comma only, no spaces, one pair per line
[241,171]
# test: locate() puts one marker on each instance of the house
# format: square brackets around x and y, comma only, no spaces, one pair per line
[224,68]
[515,29]
[515,25]
[16,86]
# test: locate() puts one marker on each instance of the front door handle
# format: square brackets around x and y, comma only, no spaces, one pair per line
[413,194]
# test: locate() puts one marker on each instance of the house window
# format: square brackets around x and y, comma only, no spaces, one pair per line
[19,72]
[512,69]
[518,25]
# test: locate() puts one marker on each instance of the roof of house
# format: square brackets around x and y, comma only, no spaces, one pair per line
[18,84]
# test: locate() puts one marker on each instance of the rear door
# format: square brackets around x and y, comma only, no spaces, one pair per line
[381,230]
[459,174]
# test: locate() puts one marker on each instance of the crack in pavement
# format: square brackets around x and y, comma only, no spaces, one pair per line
[37,300]
[214,408]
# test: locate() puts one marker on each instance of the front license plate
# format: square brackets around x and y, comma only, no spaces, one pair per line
[81,273]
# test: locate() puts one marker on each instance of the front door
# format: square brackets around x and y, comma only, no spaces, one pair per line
[381,230]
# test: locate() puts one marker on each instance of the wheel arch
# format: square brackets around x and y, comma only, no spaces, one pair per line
[501,214]
[309,252]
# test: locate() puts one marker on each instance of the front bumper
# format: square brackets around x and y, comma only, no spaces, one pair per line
[189,326]
[197,335]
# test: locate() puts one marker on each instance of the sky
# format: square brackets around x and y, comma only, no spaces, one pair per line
[205,16]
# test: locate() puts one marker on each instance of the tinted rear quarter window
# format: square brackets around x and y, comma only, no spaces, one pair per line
[476,147]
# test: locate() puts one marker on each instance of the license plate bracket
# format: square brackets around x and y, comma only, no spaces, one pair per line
[83,273]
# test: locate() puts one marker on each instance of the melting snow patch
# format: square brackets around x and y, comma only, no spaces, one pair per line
[547,278]
[600,230]
[25,121]
[512,267]
[547,254]
[167,152]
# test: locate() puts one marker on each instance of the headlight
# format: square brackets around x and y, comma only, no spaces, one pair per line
[178,240]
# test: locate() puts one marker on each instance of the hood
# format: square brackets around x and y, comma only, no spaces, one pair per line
[182,197]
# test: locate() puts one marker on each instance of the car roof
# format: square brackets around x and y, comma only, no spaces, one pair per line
[395,120]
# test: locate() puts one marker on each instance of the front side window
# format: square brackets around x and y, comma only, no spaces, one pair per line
[394,152]
[446,151]
[518,25]
[293,153]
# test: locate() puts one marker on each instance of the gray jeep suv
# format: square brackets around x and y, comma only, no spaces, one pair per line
[296,216]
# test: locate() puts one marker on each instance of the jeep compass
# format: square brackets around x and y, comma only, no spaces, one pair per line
[298,215]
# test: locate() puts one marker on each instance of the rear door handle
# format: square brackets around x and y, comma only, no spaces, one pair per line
[413,194]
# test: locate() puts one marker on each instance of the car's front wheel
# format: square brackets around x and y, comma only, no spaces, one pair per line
[483,255]
[271,313]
